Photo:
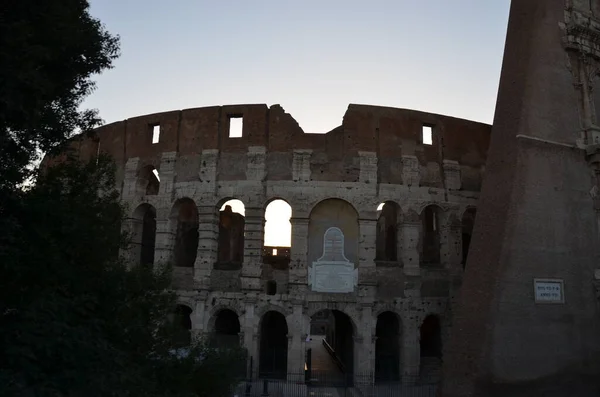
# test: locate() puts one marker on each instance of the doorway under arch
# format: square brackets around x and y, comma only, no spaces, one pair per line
[331,347]
[431,349]
[273,346]
[387,347]
[227,329]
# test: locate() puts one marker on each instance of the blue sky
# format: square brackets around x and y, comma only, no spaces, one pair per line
[312,57]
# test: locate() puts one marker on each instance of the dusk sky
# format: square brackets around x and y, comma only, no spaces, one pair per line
[311,57]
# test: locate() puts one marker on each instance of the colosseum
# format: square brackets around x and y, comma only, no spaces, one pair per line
[375,217]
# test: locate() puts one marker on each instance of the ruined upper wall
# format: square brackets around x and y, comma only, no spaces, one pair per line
[392,135]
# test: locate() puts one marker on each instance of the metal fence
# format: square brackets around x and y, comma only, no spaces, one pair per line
[334,384]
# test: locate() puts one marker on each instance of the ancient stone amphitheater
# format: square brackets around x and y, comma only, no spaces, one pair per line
[382,209]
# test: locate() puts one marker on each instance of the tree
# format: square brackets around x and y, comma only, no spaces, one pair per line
[49,50]
[76,321]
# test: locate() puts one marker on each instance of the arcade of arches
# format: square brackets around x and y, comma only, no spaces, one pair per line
[259,296]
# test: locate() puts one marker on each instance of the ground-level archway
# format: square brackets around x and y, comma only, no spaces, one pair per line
[183,326]
[431,348]
[387,347]
[226,332]
[273,346]
[330,354]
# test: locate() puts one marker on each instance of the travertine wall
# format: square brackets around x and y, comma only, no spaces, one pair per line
[375,156]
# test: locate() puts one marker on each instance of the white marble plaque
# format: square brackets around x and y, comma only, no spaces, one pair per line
[333,272]
[548,290]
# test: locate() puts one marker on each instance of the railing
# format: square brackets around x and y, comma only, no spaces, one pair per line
[334,356]
[321,384]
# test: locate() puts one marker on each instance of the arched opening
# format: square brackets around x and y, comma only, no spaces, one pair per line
[431,348]
[227,329]
[148,181]
[387,347]
[183,326]
[330,356]
[468,221]
[278,234]
[144,234]
[387,232]
[231,235]
[430,240]
[271,287]
[273,346]
[333,213]
[185,218]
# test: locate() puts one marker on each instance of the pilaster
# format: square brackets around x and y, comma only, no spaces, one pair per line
[165,242]
[301,165]
[256,166]
[411,229]
[452,174]
[299,251]
[411,171]
[253,243]
[410,352]
[208,170]
[297,344]
[368,167]
[130,179]
[208,234]
[167,173]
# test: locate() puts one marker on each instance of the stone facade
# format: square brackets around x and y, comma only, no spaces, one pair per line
[332,180]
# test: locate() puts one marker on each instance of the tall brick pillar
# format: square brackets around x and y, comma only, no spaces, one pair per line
[527,321]
[254,232]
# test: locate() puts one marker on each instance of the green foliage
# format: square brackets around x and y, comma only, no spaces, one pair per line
[74,320]
[49,52]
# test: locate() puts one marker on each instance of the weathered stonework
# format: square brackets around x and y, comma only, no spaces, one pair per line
[337,179]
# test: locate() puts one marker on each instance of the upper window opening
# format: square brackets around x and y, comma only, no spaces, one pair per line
[274,251]
[236,124]
[427,135]
[278,229]
[155,133]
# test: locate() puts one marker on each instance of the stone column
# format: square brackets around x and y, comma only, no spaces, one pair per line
[410,231]
[301,165]
[299,252]
[132,253]
[367,249]
[452,175]
[167,173]
[253,244]
[366,360]
[410,352]
[297,345]
[208,233]
[130,178]
[249,328]
[450,241]
[165,239]
[368,167]
[197,317]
